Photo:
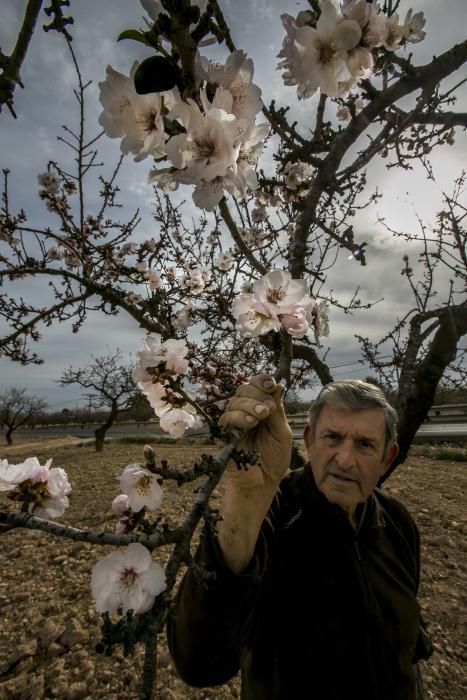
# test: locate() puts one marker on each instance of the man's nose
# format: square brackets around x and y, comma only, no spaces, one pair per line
[345,456]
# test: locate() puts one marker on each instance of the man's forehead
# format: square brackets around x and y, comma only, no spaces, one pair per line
[368,422]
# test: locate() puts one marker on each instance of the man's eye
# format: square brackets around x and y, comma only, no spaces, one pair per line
[365,445]
[332,438]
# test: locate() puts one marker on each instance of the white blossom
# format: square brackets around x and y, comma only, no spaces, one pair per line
[53,501]
[128,580]
[133,298]
[136,118]
[236,93]
[316,58]
[295,321]
[278,290]
[181,318]
[153,279]
[275,300]
[171,354]
[46,489]
[177,421]
[224,261]
[120,504]
[413,27]
[371,19]
[296,173]
[321,320]
[54,253]
[393,34]
[142,488]
[242,180]
[31,470]
[159,396]
[49,183]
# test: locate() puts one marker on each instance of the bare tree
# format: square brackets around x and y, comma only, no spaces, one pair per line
[18,408]
[109,383]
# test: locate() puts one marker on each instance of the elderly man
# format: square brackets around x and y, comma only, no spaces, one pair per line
[316,569]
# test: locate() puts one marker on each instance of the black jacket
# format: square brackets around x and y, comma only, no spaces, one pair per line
[321,613]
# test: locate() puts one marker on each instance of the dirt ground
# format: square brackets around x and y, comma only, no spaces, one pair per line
[49,628]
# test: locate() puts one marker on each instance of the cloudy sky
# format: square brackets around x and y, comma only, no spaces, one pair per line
[47,102]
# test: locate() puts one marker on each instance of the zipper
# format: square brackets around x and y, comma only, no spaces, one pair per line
[367,592]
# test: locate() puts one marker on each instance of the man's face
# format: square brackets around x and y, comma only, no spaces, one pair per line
[347,454]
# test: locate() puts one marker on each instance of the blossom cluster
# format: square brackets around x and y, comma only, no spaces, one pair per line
[36,485]
[157,375]
[334,52]
[219,142]
[277,301]
[131,580]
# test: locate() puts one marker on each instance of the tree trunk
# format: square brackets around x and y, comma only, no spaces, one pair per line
[442,351]
[100,432]
[8,437]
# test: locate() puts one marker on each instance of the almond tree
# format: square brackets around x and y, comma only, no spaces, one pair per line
[257,260]
[424,342]
[109,382]
[18,408]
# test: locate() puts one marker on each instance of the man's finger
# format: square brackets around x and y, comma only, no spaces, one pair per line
[238,419]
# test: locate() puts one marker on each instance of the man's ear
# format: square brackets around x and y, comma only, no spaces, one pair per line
[307,435]
[391,456]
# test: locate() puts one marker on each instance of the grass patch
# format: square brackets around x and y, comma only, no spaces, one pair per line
[452,454]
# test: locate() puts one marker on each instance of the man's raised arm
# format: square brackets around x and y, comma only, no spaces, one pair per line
[257,408]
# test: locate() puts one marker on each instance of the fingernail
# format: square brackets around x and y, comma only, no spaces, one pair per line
[249,419]
[269,384]
[270,403]
[260,408]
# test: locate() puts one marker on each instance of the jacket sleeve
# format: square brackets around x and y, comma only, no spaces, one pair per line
[210,622]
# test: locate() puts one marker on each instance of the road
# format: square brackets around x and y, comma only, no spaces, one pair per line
[429,432]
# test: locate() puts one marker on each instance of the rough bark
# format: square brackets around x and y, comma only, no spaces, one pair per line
[101,431]
[442,351]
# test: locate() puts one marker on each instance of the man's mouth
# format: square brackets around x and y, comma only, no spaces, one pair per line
[341,477]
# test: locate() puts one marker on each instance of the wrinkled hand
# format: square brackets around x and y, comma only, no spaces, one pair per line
[257,408]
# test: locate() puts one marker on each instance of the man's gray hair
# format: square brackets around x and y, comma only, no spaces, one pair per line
[354,395]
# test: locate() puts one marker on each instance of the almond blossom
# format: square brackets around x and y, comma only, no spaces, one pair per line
[316,58]
[177,421]
[49,183]
[181,318]
[321,320]
[153,279]
[224,261]
[158,357]
[142,488]
[277,301]
[372,22]
[120,504]
[413,27]
[217,152]
[296,173]
[129,580]
[252,317]
[394,33]
[136,118]
[236,93]
[44,488]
